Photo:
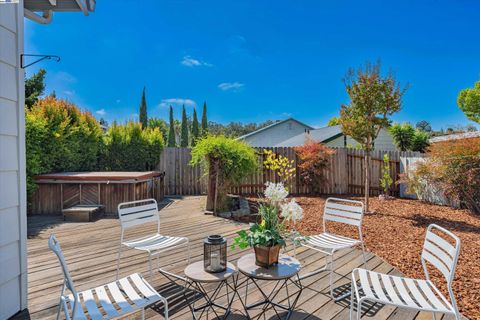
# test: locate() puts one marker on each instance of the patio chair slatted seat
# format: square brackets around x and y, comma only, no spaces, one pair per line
[343,211]
[96,304]
[140,212]
[419,294]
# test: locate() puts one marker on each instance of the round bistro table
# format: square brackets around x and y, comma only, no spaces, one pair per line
[283,274]
[197,278]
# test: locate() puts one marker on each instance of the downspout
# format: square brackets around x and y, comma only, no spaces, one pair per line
[45,18]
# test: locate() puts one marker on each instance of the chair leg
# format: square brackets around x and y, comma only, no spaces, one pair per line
[118,261]
[60,306]
[359,309]
[150,264]
[294,251]
[433,316]
[143,313]
[364,256]
[165,307]
[331,276]
[352,297]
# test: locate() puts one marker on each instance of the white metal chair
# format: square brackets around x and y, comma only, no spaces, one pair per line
[410,293]
[343,211]
[136,213]
[112,300]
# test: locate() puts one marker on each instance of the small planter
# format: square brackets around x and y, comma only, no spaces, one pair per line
[384,197]
[266,256]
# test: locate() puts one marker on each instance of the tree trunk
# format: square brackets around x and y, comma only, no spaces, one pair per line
[211,186]
[367,180]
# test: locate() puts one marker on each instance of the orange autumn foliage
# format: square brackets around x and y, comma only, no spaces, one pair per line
[314,158]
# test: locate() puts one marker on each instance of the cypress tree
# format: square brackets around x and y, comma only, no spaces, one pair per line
[184,133]
[143,110]
[204,120]
[171,132]
[195,128]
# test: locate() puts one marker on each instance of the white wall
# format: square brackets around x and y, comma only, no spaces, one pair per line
[13,266]
[276,134]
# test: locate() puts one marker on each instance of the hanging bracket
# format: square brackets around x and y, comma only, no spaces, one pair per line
[40,57]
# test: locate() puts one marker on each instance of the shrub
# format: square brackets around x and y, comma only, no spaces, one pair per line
[407,138]
[453,167]
[283,166]
[128,147]
[59,137]
[225,159]
[386,180]
[313,158]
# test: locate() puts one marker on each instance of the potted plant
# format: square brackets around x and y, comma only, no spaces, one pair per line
[268,236]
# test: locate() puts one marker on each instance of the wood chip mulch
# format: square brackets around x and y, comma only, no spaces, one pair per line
[395,231]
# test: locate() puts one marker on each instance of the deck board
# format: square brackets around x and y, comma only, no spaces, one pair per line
[91,250]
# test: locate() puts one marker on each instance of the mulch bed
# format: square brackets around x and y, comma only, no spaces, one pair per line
[395,231]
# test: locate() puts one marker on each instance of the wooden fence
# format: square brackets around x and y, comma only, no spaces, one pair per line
[344,175]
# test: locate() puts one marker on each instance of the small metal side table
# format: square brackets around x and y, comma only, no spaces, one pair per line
[197,278]
[283,273]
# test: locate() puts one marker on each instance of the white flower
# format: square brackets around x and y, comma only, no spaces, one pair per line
[275,192]
[292,211]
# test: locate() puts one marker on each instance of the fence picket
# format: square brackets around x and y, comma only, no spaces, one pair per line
[345,175]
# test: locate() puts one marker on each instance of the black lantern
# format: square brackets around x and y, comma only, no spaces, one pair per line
[215,254]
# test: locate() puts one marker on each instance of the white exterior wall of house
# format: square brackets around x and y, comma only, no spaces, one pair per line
[276,134]
[385,141]
[13,225]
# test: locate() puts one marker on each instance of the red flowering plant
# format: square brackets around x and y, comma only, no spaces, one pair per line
[314,159]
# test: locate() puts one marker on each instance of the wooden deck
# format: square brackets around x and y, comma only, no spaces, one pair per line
[91,248]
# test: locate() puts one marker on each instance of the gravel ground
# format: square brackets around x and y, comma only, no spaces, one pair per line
[395,231]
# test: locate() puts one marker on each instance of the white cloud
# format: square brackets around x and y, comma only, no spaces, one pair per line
[165,103]
[101,112]
[192,62]
[235,86]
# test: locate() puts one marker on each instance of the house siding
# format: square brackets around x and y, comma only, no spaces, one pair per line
[275,134]
[13,284]
[384,142]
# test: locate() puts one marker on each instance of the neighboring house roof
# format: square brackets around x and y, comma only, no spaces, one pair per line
[456,136]
[273,125]
[325,134]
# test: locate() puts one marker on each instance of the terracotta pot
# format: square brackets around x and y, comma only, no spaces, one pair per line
[266,256]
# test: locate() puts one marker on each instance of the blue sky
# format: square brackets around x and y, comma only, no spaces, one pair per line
[256,60]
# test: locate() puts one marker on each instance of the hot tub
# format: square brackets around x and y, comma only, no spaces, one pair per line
[58,191]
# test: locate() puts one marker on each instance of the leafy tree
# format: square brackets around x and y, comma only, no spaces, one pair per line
[143,117]
[184,130]
[373,97]
[334,121]
[34,88]
[204,120]
[160,124]
[469,102]
[227,162]
[424,126]
[420,141]
[235,129]
[402,135]
[60,137]
[103,122]
[171,132]
[195,128]
[131,147]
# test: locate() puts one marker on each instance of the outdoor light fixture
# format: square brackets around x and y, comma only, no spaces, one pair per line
[215,254]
